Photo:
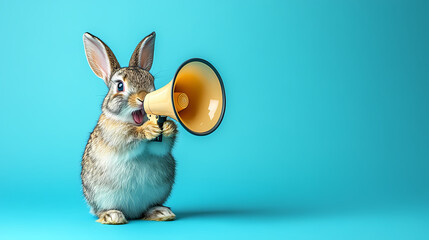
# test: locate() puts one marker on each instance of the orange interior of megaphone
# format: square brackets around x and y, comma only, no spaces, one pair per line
[204,90]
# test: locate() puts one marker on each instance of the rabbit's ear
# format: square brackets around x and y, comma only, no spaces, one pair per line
[100,58]
[143,54]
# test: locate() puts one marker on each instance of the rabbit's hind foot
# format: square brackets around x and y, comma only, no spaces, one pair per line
[159,213]
[113,217]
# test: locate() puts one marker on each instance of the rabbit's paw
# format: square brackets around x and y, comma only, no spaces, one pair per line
[150,130]
[113,217]
[159,213]
[169,128]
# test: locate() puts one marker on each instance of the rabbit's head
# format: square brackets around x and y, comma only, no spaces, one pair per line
[128,86]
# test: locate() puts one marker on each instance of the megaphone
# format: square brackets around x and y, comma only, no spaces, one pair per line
[195,98]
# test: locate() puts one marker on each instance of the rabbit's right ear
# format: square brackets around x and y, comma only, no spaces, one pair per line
[143,54]
[100,58]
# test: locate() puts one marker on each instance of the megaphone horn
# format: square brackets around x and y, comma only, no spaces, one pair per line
[195,98]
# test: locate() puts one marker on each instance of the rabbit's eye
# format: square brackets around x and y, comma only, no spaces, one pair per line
[120,86]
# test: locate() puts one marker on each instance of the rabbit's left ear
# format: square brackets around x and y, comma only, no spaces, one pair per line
[100,58]
[143,54]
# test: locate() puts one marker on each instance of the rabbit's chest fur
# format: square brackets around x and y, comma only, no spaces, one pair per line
[134,178]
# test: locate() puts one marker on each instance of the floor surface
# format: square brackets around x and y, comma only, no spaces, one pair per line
[395,222]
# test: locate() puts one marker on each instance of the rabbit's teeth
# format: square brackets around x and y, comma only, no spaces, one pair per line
[138,116]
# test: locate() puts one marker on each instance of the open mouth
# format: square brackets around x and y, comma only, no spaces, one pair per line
[139,116]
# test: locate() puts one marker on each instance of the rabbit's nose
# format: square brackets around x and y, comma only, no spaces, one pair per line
[141,95]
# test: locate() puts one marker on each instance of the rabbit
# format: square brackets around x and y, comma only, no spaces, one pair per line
[125,175]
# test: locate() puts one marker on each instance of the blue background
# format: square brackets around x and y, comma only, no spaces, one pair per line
[325,134]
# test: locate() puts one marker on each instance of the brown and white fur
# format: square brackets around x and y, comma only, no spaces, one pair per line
[124,174]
